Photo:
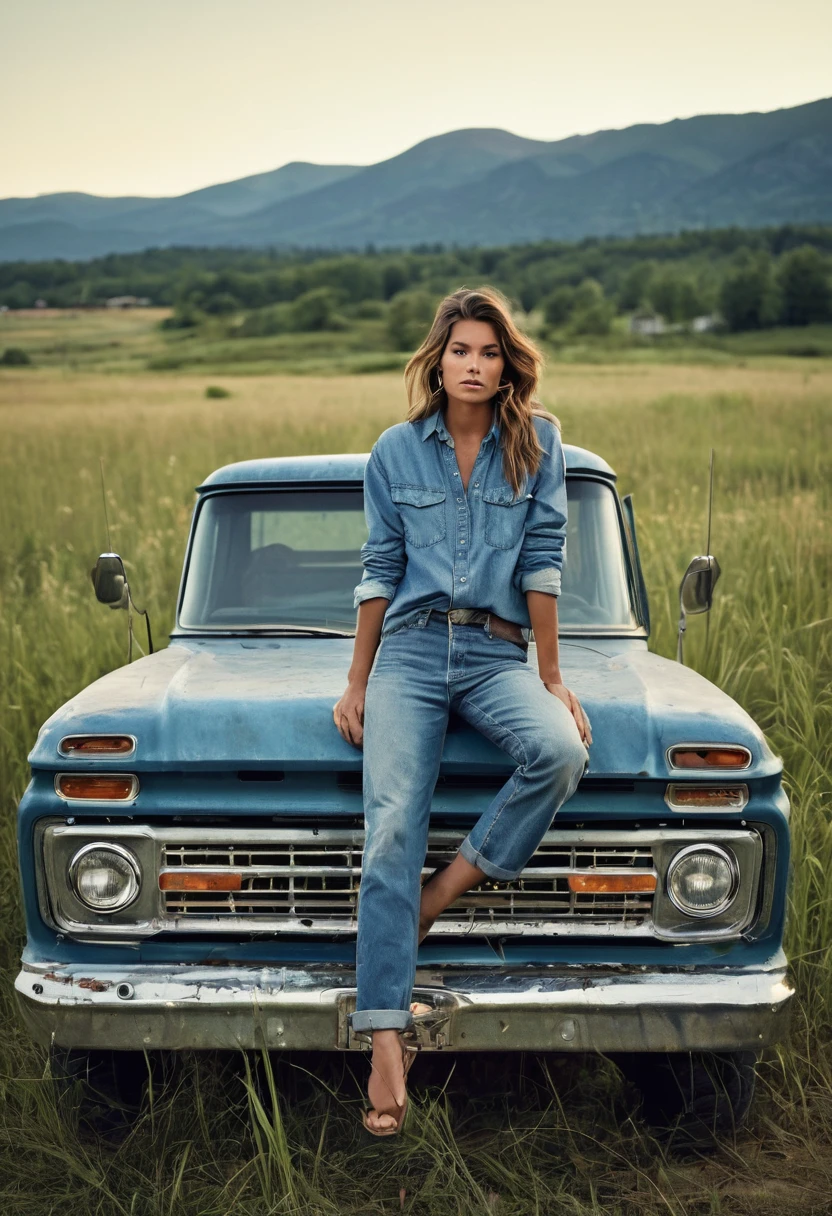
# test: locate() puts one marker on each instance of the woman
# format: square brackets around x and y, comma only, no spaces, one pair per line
[466,508]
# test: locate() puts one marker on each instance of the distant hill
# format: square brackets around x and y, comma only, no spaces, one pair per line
[473,187]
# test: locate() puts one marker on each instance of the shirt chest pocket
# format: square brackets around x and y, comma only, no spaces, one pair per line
[422,509]
[505,517]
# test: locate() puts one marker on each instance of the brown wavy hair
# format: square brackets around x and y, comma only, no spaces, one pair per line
[515,402]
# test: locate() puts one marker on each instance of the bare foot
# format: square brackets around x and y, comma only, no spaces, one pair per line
[418,1007]
[445,885]
[386,1088]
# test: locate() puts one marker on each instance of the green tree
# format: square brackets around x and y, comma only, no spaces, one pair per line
[220,304]
[635,286]
[315,310]
[803,279]
[557,307]
[592,312]
[409,319]
[675,295]
[750,298]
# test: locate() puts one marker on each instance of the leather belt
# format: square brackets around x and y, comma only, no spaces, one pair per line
[497,625]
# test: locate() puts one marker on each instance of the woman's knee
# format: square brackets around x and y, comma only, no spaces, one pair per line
[561,757]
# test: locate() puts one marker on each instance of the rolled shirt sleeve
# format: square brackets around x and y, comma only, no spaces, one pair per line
[383,553]
[543,552]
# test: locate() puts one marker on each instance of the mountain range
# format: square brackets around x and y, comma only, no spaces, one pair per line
[473,187]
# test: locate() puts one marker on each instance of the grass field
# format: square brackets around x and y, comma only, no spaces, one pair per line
[560,1138]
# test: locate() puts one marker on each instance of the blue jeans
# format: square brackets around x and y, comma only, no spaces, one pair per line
[422,670]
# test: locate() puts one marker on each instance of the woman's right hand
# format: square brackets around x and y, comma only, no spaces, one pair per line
[348,713]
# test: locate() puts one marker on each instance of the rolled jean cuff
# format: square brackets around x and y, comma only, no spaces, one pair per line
[380,1019]
[475,858]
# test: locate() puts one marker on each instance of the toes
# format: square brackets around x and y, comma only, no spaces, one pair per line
[381,1123]
[418,1007]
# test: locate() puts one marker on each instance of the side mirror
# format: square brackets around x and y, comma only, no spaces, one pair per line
[696,593]
[109,578]
[110,581]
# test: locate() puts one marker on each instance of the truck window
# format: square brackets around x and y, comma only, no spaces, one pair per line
[262,559]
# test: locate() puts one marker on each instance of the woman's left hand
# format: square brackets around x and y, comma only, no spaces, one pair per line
[575,708]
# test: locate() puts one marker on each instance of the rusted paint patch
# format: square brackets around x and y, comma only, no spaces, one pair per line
[94,985]
[58,979]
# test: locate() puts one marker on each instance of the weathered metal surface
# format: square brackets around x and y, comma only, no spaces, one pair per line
[350,467]
[504,1010]
[237,702]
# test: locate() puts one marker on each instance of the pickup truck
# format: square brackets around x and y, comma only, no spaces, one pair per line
[190,841]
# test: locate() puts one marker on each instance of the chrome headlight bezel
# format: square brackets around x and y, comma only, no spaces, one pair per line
[134,886]
[733,869]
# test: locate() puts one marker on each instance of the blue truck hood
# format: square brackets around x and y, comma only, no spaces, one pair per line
[247,703]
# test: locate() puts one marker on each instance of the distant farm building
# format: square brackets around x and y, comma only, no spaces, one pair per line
[128,302]
[703,325]
[647,324]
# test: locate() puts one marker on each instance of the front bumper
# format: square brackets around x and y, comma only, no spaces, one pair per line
[502,1009]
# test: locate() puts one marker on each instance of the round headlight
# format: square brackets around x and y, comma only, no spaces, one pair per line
[702,880]
[105,877]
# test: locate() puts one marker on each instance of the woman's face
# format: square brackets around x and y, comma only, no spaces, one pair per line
[472,363]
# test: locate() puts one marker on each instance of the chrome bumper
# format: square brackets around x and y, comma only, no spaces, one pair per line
[548,1009]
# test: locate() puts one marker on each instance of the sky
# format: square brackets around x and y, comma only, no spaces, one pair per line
[157,97]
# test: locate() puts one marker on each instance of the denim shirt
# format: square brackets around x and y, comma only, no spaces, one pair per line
[432,545]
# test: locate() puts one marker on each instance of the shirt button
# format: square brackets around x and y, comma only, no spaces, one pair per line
[456,474]
[463,579]
[462,542]
[476,483]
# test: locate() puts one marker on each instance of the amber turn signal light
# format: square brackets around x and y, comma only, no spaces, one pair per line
[97,787]
[706,797]
[612,884]
[193,880]
[690,756]
[97,745]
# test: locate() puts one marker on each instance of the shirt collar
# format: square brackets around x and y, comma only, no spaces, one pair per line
[436,422]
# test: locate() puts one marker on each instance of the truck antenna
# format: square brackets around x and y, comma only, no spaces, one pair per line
[708,540]
[104,500]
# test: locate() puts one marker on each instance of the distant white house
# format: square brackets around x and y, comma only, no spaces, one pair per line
[647,324]
[128,302]
[703,325]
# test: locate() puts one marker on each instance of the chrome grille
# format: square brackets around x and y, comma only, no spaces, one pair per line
[307,880]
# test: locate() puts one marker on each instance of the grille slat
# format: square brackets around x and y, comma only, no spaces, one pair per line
[311,885]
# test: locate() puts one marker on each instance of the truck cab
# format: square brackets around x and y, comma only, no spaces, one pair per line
[191,838]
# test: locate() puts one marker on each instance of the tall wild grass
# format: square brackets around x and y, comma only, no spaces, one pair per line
[551,1135]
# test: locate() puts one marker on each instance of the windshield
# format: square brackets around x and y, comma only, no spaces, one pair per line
[274,558]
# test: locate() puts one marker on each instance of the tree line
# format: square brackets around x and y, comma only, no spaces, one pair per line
[751,279]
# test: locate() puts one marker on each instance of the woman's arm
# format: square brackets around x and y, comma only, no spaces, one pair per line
[348,713]
[543,614]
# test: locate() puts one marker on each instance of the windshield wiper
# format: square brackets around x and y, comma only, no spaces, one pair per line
[270,631]
[307,631]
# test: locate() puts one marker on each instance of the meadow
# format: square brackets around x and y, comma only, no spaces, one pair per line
[547,1135]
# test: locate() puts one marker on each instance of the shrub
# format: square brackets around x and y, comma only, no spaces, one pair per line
[184,316]
[266,322]
[215,391]
[314,311]
[14,356]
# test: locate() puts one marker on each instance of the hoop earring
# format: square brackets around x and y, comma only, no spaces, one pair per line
[439,378]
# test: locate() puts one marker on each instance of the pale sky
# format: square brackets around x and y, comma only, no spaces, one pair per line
[162,96]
